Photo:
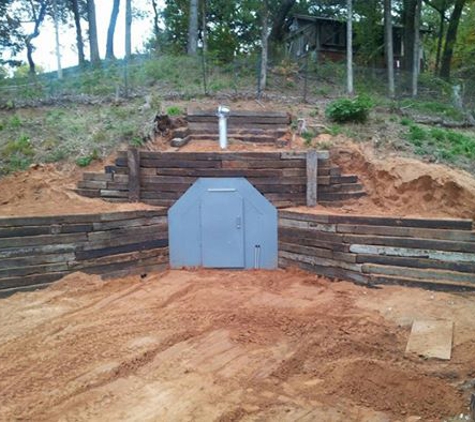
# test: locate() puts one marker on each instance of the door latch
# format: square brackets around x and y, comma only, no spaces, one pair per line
[238,222]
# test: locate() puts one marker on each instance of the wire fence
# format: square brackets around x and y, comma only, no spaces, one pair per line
[185,78]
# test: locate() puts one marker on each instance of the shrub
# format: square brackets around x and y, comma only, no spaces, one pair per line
[346,110]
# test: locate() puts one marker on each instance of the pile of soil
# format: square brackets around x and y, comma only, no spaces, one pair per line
[224,345]
[48,190]
[406,187]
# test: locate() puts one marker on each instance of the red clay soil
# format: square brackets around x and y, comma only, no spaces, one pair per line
[46,190]
[227,346]
[406,187]
[395,186]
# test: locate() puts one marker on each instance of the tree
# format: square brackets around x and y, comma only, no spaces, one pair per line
[74,5]
[349,47]
[93,44]
[264,45]
[388,26]
[35,12]
[156,15]
[193,28]
[56,33]
[441,7]
[111,30]
[284,8]
[408,19]
[128,29]
[416,48]
[451,38]
[10,33]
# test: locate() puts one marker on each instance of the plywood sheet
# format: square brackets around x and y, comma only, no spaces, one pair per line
[431,339]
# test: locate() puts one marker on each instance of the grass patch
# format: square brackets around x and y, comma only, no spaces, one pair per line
[443,143]
[174,111]
[17,155]
[88,159]
[434,108]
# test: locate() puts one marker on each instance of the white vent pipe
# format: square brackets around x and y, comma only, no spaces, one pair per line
[223,113]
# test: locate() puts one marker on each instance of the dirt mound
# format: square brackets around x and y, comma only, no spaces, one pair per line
[406,187]
[48,190]
[224,345]
[385,386]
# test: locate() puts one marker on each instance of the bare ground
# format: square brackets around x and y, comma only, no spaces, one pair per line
[226,346]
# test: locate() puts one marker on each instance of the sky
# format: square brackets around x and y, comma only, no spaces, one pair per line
[45,56]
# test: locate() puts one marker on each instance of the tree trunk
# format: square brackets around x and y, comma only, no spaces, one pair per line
[111,30]
[204,28]
[156,16]
[264,47]
[388,26]
[451,38]
[38,20]
[416,49]
[193,28]
[93,44]
[409,11]
[58,45]
[79,40]
[128,29]
[349,47]
[277,32]
[439,41]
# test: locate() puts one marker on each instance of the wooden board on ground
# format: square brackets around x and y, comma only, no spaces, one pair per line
[431,339]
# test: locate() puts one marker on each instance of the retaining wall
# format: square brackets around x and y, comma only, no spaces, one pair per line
[435,253]
[38,250]
[160,178]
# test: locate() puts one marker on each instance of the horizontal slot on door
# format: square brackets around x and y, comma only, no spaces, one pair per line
[222,190]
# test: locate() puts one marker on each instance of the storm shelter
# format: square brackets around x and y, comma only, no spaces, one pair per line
[223,223]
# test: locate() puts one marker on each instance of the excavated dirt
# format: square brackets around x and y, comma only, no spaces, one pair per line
[228,346]
[47,190]
[395,186]
[407,187]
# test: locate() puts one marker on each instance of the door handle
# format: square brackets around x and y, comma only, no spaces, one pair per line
[238,222]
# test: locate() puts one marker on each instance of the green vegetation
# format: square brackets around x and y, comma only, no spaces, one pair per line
[76,133]
[17,154]
[308,136]
[174,111]
[346,110]
[434,108]
[335,130]
[442,143]
[88,159]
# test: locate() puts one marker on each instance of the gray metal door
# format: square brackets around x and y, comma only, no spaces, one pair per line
[222,234]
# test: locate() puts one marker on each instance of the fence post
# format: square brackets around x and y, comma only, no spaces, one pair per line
[312,177]
[305,81]
[133,163]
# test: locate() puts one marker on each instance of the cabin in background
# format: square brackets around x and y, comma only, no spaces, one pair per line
[325,39]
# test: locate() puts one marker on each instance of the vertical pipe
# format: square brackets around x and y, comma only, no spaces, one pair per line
[223,113]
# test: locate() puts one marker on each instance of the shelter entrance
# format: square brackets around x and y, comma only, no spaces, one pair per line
[223,223]
[222,228]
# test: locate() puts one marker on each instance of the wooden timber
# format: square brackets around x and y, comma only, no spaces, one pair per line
[423,252]
[35,251]
[165,176]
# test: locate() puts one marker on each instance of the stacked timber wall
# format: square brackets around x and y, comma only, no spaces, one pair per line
[38,250]
[160,178]
[246,126]
[431,253]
